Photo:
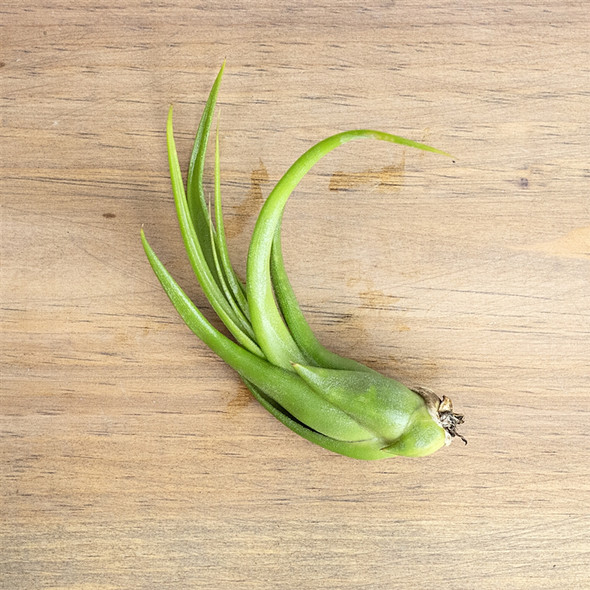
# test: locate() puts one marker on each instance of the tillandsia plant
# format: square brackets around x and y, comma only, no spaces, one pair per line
[332,401]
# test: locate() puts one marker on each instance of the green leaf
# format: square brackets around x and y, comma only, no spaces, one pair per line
[197,204]
[368,450]
[228,273]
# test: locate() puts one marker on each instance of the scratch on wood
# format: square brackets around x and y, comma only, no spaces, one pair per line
[241,399]
[387,178]
[251,204]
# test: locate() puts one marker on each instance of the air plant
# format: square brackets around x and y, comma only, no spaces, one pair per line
[332,401]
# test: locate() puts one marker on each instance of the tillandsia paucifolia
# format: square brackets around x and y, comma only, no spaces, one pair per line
[330,400]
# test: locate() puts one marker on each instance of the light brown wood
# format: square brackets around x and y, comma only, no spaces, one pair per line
[132,457]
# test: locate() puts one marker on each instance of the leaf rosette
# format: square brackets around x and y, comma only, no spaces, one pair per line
[332,401]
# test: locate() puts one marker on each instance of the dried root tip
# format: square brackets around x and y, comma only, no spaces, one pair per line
[448,419]
[442,411]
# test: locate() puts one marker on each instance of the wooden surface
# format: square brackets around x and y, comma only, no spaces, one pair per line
[132,457]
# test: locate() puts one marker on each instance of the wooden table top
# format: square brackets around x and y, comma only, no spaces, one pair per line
[132,457]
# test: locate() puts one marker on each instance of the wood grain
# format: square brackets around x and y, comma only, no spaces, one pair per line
[131,457]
